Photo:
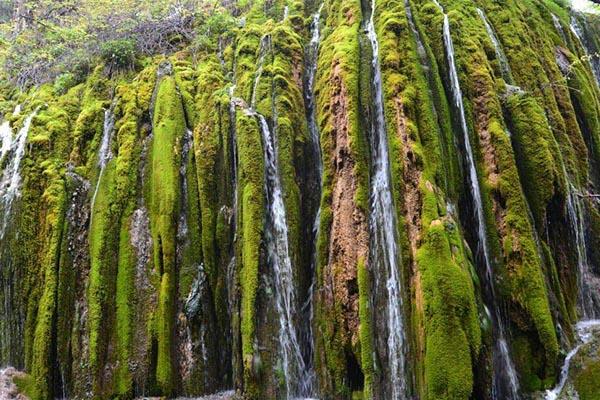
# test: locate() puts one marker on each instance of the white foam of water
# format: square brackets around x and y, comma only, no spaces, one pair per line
[506,369]
[385,251]
[584,335]
[10,181]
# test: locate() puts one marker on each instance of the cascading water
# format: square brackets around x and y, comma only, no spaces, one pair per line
[385,253]
[292,362]
[589,284]
[12,324]
[292,365]
[286,12]
[6,135]
[559,28]
[593,55]
[584,335]
[312,54]
[505,380]
[262,53]
[234,200]
[504,65]
[10,180]
[104,153]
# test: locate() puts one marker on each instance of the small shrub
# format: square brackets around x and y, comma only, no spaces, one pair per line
[64,82]
[119,54]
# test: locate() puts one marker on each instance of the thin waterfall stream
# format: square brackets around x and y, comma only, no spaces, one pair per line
[500,55]
[6,134]
[104,153]
[589,296]
[299,375]
[231,266]
[385,253]
[10,181]
[592,54]
[588,282]
[505,379]
[584,336]
[312,54]
[559,28]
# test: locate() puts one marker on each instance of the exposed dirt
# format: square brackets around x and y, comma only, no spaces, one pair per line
[488,152]
[349,230]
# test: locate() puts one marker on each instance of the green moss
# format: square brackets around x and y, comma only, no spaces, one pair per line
[587,382]
[253,214]
[586,102]
[124,309]
[535,151]
[26,385]
[44,336]
[365,330]
[209,141]
[451,321]
[169,126]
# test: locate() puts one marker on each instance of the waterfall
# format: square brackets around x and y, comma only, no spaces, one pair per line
[559,28]
[592,54]
[385,253]
[504,65]
[10,180]
[589,294]
[505,380]
[6,135]
[104,153]
[234,201]
[262,53]
[293,368]
[286,12]
[234,155]
[279,260]
[584,335]
[312,55]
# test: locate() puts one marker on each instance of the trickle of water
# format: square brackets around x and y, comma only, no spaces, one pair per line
[104,153]
[592,55]
[182,227]
[6,134]
[504,65]
[589,297]
[193,307]
[504,375]
[584,335]
[234,155]
[262,53]
[312,55]
[291,363]
[559,28]
[10,180]
[234,173]
[5,138]
[286,12]
[385,253]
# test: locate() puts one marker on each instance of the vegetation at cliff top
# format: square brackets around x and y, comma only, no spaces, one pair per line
[44,40]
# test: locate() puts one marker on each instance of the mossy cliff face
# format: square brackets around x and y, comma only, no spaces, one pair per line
[135,262]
